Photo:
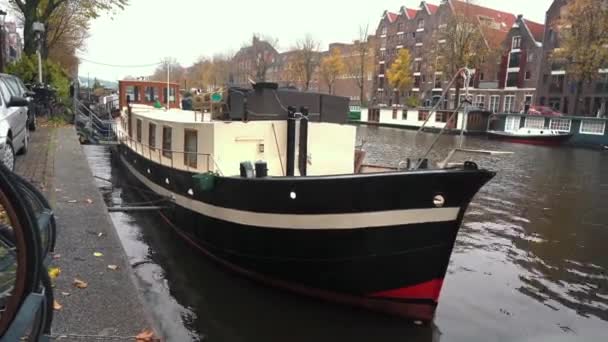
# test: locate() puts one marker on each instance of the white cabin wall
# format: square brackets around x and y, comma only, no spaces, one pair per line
[364,114]
[331,148]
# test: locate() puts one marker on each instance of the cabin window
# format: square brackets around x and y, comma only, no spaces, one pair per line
[494,103]
[593,127]
[562,125]
[151,94]
[535,122]
[395,110]
[512,123]
[404,114]
[167,136]
[422,115]
[190,147]
[138,130]
[441,117]
[152,136]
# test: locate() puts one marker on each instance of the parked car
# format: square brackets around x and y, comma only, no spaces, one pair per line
[14,134]
[17,88]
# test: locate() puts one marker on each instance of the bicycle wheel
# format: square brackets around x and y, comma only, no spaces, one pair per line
[21,240]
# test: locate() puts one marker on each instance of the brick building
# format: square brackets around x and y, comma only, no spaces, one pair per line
[554,88]
[505,81]
[253,62]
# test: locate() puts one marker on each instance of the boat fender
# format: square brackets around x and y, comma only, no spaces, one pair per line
[261,169]
[246,169]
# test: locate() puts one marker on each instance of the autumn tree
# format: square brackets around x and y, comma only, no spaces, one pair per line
[306,60]
[262,52]
[400,73]
[32,11]
[583,47]
[362,62]
[460,43]
[332,67]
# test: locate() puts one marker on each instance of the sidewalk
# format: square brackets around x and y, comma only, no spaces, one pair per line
[110,305]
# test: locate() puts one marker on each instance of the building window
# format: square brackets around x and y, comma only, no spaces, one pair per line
[416,81]
[530,57]
[481,75]
[404,114]
[138,130]
[399,27]
[494,103]
[480,101]
[509,103]
[528,99]
[132,93]
[420,23]
[151,94]
[190,147]
[384,29]
[557,84]
[512,123]
[461,99]
[516,42]
[438,81]
[167,137]
[534,122]
[512,79]
[593,127]
[152,136]
[562,125]
[555,103]
[515,60]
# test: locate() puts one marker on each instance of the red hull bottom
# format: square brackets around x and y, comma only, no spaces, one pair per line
[393,302]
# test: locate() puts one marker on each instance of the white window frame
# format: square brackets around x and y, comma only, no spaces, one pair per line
[518,40]
[480,99]
[560,125]
[496,105]
[512,123]
[512,103]
[535,122]
[603,123]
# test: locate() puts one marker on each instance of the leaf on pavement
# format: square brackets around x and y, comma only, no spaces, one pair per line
[54,272]
[147,335]
[72,201]
[98,254]
[100,234]
[65,293]
[57,306]
[80,284]
[56,256]
[89,200]
[113,267]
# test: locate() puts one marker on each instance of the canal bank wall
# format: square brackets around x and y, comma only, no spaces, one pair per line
[87,249]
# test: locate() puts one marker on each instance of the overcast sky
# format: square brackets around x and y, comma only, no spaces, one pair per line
[149,30]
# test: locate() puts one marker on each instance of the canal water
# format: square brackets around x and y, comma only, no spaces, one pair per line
[530,262]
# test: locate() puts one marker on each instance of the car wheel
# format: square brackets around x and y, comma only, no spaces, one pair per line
[8,155]
[26,142]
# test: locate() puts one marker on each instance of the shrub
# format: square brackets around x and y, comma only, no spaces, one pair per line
[27,69]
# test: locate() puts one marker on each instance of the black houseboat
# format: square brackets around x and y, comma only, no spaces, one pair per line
[310,217]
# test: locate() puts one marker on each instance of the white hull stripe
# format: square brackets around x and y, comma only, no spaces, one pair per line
[305,221]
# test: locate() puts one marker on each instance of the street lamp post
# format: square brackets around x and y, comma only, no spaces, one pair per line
[2,42]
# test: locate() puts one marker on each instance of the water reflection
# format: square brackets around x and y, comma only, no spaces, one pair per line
[530,262]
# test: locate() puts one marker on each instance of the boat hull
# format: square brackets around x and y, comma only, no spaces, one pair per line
[375,240]
[552,140]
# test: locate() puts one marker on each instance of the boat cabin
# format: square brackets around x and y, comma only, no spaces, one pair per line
[247,126]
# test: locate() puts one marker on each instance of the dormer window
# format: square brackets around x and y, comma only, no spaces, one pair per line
[384,30]
[399,27]
[516,42]
[420,23]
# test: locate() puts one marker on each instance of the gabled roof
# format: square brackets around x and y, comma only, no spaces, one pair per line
[391,16]
[495,24]
[537,30]
[432,8]
[411,13]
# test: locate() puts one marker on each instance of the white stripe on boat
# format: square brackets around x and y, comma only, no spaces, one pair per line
[305,221]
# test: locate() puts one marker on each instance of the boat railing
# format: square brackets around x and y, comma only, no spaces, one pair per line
[170,157]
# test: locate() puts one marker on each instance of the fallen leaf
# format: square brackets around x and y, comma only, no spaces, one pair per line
[56,305]
[89,200]
[113,267]
[100,234]
[56,256]
[54,272]
[72,201]
[58,190]
[65,293]
[80,284]
[146,335]
[98,254]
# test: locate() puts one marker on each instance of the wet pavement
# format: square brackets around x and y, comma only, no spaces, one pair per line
[530,262]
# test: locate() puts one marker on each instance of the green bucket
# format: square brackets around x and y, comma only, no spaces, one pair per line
[205,181]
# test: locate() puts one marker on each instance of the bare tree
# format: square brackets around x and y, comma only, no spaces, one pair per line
[306,60]
[262,54]
[362,62]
